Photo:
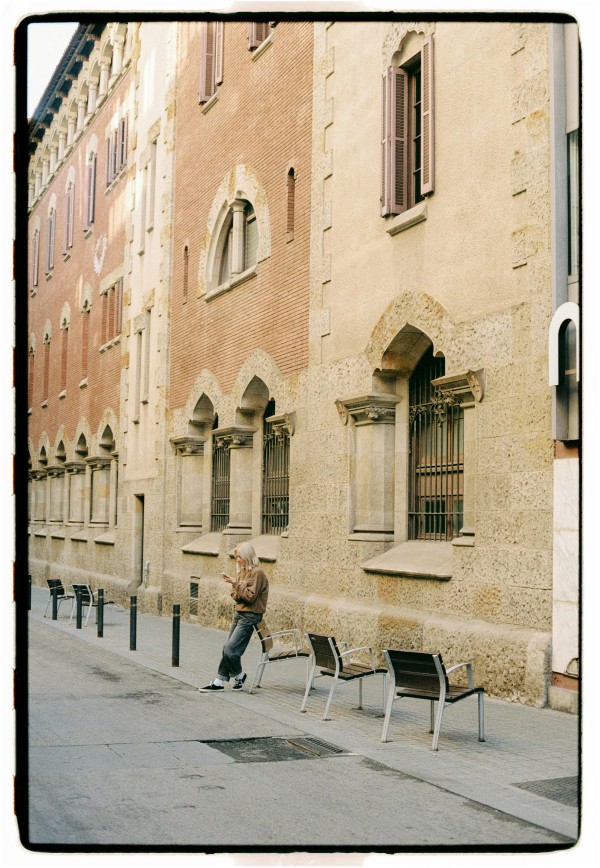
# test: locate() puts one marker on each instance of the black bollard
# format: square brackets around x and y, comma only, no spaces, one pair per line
[132,623]
[29,597]
[100,613]
[79,608]
[54,593]
[176,622]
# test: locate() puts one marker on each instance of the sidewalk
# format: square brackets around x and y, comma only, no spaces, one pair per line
[526,768]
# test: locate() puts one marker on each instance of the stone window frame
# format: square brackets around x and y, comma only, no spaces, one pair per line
[240,185]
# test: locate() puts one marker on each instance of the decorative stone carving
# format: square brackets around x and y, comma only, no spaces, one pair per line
[283,424]
[239,437]
[368,409]
[188,445]
[464,388]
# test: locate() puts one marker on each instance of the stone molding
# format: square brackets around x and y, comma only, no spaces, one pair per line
[368,409]
[284,423]
[464,388]
[188,445]
[237,437]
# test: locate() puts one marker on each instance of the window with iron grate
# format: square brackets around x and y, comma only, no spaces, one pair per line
[436,457]
[276,475]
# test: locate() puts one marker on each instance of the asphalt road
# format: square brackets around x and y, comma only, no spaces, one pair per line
[123,756]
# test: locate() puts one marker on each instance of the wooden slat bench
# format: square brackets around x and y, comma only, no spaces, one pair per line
[418,675]
[87,599]
[339,665]
[273,651]
[61,593]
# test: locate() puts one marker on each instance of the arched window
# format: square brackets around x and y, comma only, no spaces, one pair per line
[239,243]
[50,240]
[90,192]
[186,266]
[30,376]
[69,212]
[435,510]
[35,259]
[64,356]
[46,381]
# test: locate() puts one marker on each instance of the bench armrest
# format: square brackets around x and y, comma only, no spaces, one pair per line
[469,669]
[295,634]
[362,648]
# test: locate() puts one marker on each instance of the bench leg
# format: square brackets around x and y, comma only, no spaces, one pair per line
[431,716]
[388,711]
[88,614]
[309,682]
[360,705]
[330,697]
[438,724]
[480,709]
[258,675]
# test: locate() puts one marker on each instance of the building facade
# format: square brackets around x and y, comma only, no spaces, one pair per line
[346,260]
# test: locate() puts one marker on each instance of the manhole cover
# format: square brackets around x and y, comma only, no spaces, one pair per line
[563,790]
[273,750]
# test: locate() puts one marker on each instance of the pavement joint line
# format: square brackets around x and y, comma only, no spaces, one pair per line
[502,796]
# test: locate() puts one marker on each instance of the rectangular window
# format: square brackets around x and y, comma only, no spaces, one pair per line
[85,331]
[574,196]
[35,254]
[407,133]
[112,305]
[194,599]
[151,187]
[276,480]
[63,359]
[219,502]
[30,378]
[69,209]
[258,31]
[50,250]
[116,151]
[46,370]
[211,59]
[90,200]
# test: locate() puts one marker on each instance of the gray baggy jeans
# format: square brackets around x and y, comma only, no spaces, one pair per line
[237,642]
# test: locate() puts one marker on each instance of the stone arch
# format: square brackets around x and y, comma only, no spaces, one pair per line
[202,416]
[260,366]
[240,184]
[396,43]
[70,179]
[91,147]
[206,388]
[52,204]
[47,332]
[65,316]
[86,297]
[32,343]
[395,339]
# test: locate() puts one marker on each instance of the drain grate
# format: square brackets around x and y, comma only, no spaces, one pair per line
[563,790]
[317,747]
[273,750]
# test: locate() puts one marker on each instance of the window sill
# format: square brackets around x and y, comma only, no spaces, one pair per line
[58,534]
[206,107]
[106,539]
[48,275]
[414,560]
[207,544]
[258,52]
[408,218]
[109,344]
[266,546]
[234,281]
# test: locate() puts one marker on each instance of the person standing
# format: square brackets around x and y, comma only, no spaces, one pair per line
[250,591]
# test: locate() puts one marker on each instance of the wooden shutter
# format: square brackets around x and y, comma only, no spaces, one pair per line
[394,198]
[257,33]
[115,154]
[91,192]
[36,256]
[69,219]
[109,176]
[427,101]
[119,308]
[50,258]
[219,41]
[122,143]
[207,61]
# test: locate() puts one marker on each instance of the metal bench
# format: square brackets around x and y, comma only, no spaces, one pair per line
[274,652]
[418,675]
[340,666]
[61,594]
[87,599]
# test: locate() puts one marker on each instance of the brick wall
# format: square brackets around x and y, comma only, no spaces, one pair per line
[69,276]
[262,119]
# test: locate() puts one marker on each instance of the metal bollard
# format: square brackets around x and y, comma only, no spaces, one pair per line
[54,593]
[79,609]
[100,613]
[132,623]
[176,624]
[29,597]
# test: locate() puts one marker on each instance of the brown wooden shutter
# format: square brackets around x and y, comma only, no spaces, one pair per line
[36,257]
[50,258]
[122,143]
[108,160]
[427,140]
[207,61]
[219,43]
[85,331]
[257,33]
[91,192]
[105,318]
[63,360]
[394,197]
